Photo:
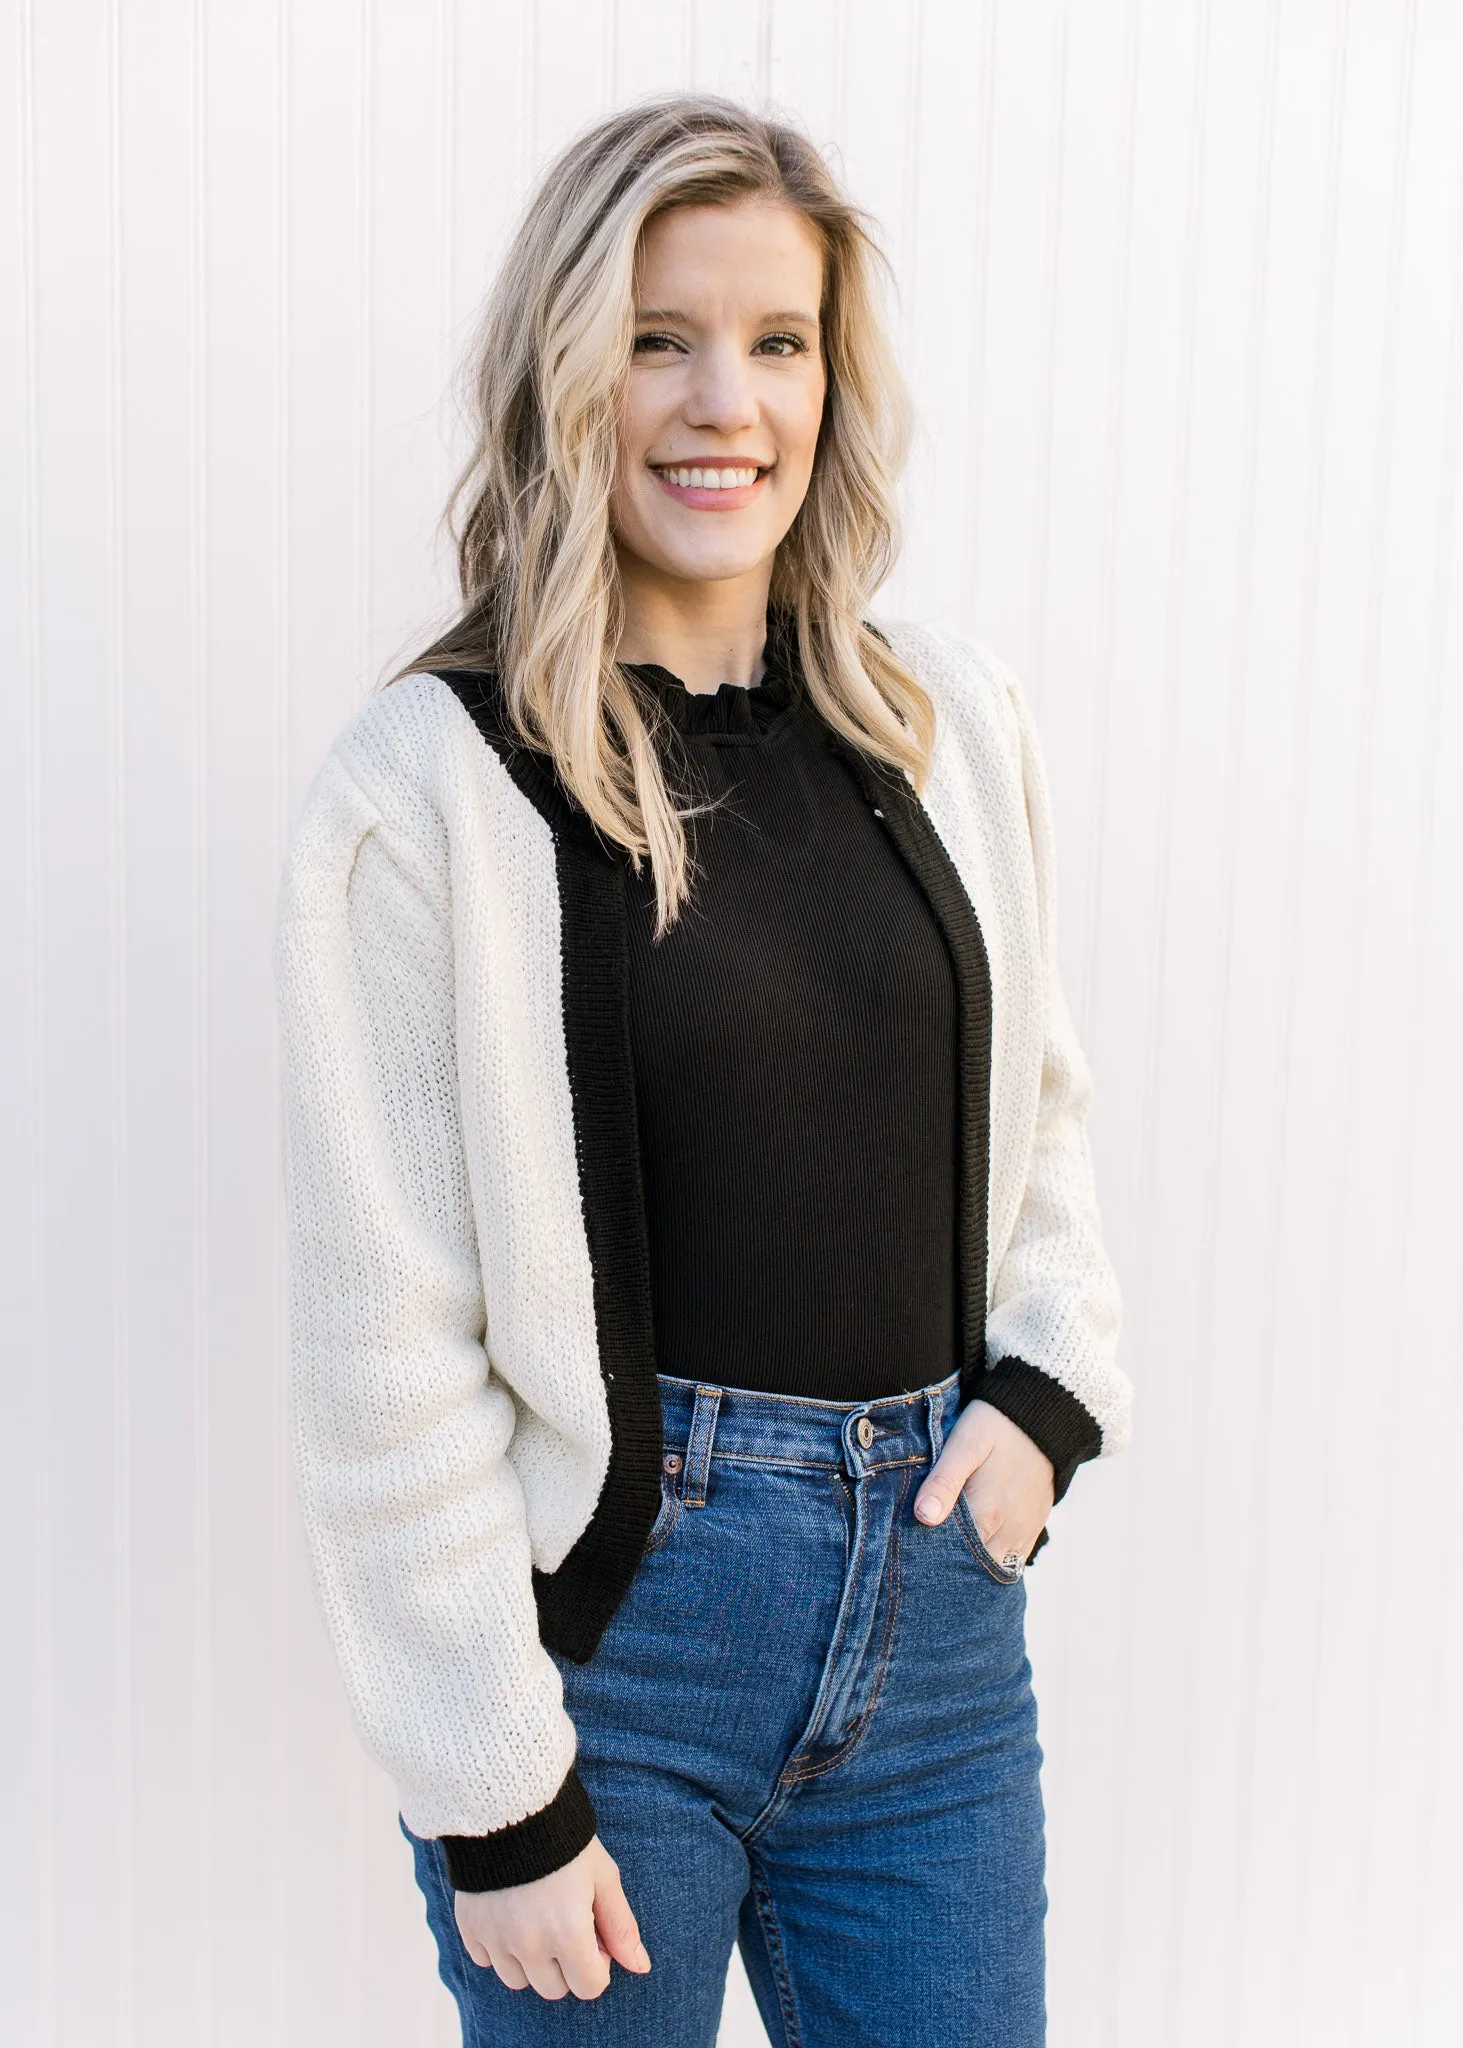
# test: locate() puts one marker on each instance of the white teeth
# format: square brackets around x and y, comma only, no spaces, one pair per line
[710,479]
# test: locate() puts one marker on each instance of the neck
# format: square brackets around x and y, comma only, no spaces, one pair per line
[705,633]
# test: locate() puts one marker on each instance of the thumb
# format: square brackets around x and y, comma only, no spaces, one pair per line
[965,1453]
[616,1926]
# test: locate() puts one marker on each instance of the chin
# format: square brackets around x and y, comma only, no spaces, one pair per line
[709,572]
[708,565]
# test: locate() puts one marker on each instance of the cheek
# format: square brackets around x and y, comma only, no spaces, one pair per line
[630,492]
[638,421]
[806,422]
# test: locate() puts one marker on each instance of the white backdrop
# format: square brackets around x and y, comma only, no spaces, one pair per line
[1183,305]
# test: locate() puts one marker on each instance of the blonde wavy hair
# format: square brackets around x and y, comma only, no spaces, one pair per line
[530,513]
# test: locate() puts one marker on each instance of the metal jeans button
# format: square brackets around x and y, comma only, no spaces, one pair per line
[865,1431]
[671,1462]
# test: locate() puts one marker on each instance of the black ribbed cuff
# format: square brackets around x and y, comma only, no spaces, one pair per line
[527,1849]
[1055,1420]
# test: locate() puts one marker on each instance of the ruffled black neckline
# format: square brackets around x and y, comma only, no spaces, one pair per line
[732,711]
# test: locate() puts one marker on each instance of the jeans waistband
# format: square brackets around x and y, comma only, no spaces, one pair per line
[701,1421]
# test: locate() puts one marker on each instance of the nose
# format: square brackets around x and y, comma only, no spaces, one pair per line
[721,396]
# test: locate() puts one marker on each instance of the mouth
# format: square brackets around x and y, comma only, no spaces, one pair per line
[718,484]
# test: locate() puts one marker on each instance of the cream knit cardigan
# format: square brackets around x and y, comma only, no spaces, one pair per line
[449,1415]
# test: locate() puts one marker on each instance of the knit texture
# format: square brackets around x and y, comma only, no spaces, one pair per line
[527,1849]
[452,1412]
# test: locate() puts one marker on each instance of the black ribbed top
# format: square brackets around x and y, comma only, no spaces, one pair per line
[795,1048]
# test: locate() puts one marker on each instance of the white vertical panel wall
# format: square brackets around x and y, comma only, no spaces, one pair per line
[1182,300]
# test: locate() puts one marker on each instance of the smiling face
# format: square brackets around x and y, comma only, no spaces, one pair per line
[724,399]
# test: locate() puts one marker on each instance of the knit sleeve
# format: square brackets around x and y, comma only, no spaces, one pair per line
[413,1510]
[1052,1327]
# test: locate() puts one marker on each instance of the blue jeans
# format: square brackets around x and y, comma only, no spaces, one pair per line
[809,1729]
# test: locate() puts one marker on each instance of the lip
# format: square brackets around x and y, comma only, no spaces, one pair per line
[718,500]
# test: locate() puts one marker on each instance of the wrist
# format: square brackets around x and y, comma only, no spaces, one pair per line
[1041,1407]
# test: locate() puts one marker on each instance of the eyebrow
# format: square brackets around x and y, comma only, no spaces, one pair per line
[792,316]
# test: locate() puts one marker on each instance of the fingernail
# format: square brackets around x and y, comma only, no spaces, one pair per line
[641,1958]
[928,1509]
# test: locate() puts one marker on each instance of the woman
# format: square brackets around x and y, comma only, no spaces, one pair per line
[698,1297]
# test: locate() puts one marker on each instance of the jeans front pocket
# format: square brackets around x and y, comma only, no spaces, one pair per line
[965,1520]
[670,1509]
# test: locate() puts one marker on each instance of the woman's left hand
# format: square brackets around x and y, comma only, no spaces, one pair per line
[1008,1482]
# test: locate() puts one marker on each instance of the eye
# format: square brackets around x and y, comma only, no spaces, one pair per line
[782,345]
[655,344]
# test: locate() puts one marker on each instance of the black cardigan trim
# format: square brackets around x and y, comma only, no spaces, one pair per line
[576,1601]
[527,1849]
[1053,1418]
[912,830]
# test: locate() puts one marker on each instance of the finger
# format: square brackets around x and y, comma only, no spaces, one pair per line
[508,1970]
[616,1925]
[992,1521]
[1004,1535]
[962,1456]
[544,1974]
[990,1527]
[465,1908]
[1013,1545]
[585,1965]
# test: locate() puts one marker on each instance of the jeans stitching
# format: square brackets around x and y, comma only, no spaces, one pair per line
[886,1650]
[854,1562]
[812,1464]
[800,1776]
[778,1464]
[776,1955]
[978,1550]
[790,1776]
[673,1516]
[700,1447]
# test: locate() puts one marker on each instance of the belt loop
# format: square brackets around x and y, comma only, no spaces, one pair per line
[935,1404]
[698,1450]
